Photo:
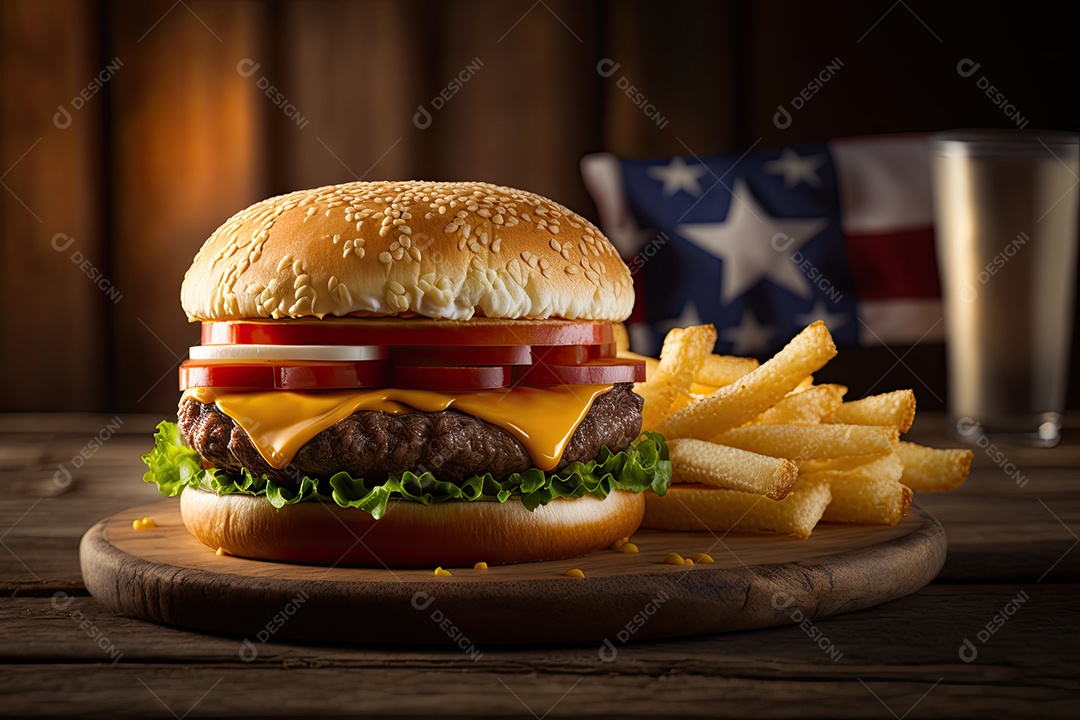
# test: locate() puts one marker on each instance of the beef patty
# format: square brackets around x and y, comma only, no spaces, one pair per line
[372,444]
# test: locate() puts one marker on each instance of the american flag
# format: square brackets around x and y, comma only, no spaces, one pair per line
[762,244]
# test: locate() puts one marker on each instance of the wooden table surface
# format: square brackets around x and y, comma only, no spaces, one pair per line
[997,635]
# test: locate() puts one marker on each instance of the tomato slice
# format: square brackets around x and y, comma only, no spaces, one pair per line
[571,354]
[416,377]
[461,355]
[283,376]
[337,353]
[601,371]
[395,331]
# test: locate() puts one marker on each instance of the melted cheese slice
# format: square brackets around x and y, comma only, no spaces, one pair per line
[279,422]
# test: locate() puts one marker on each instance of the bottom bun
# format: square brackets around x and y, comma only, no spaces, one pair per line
[449,534]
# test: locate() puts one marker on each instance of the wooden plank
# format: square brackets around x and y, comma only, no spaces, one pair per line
[667,97]
[880,637]
[188,155]
[129,690]
[530,108]
[50,210]
[355,98]
[1031,657]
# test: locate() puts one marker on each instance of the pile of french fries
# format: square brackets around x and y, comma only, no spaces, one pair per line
[762,448]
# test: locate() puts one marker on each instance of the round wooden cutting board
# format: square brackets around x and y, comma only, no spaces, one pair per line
[756,581]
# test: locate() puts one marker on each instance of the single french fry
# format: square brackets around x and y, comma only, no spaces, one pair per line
[754,393]
[699,507]
[683,352]
[893,409]
[700,462]
[818,441]
[808,407]
[862,502]
[721,370]
[882,467]
[622,338]
[933,470]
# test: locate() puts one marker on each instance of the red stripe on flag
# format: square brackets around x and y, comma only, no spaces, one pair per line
[894,265]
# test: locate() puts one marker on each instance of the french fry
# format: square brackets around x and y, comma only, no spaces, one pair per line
[882,467]
[697,388]
[721,370]
[818,441]
[893,409]
[804,384]
[622,338]
[754,393]
[699,507]
[932,470]
[699,462]
[683,352]
[807,407]
[862,502]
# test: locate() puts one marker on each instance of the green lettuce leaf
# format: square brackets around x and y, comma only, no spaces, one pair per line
[644,465]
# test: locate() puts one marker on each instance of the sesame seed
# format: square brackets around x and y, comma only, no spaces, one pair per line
[384,257]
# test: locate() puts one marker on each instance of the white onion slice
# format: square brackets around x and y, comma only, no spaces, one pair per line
[341,353]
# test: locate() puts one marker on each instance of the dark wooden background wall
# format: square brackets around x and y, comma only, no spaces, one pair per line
[181,135]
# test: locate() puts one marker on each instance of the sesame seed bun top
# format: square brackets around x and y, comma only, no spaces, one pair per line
[444,250]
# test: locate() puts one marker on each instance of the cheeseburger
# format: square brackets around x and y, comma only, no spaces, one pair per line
[408,374]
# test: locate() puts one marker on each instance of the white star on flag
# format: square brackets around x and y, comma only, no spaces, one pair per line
[796,168]
[755,246]
[677,175]
[750,336]
[820,311]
